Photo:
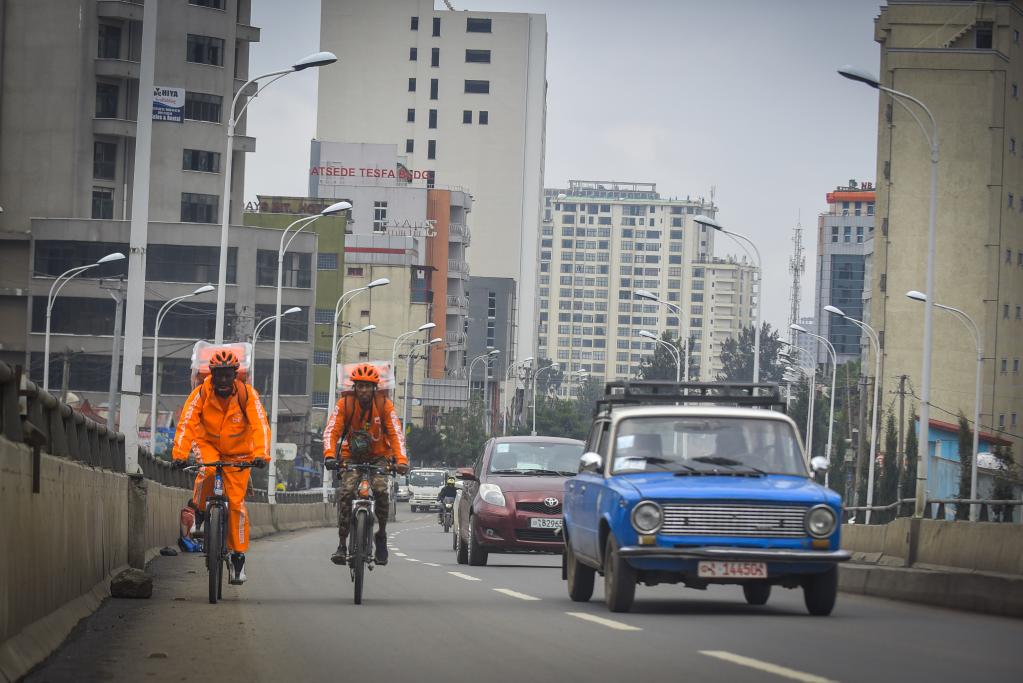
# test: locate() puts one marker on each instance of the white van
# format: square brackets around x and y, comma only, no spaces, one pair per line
[424,486]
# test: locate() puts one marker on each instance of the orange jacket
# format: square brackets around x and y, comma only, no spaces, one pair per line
[386,443]
[234,426]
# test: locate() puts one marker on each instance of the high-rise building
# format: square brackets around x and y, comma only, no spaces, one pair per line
[963,60]
[67,136]
[845,242]
[463,94]
[601,242]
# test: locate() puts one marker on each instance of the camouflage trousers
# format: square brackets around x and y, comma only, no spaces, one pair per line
[380,485]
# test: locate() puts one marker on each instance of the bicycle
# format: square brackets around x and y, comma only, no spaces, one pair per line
[215,524]
[360,528]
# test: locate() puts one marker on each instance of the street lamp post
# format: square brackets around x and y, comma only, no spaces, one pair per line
[263,323]
[684,339]
[299,225]
[314,60]
[811,409]
[536,376]
[468,382]
[872,335]
[397,342]
[505,407]
[925,381]
[349,335]
[978,338]
[675,354]
[834,373]
[339,308]
[408,377]
[711,223]
[58,284]
[160,314]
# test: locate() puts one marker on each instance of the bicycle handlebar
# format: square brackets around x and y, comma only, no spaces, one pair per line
[219,463]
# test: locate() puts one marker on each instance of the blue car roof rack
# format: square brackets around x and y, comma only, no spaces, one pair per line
[647,392]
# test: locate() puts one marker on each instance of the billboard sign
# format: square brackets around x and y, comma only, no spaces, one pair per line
[168,104]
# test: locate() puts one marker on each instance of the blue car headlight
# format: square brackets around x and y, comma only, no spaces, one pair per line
[820,521]
[647,517]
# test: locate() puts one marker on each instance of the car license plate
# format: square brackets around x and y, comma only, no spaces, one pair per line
[545,523]
[732,570]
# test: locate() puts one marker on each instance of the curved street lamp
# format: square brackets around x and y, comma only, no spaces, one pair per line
[650,296]
[408,378]
[834,374]
[861,76]
[339,307]
[978,338]
[398,341]
[675,353]
[58,284]
[160,315]
[316,59]
[514,365]
[536,376]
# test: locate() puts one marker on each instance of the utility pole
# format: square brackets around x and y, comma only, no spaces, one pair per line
[861,442]
[65,375]
[902,444]
[117,293]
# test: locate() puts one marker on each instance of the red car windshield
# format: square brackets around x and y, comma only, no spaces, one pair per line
[535,458]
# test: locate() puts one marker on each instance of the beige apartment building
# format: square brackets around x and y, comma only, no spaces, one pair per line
[603,241]
[963,60]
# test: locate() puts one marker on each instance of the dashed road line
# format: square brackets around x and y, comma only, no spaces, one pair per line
[431,564]
[411,559]
[401,554]
[464,576]
[775,669]
[515,594]
[610,623]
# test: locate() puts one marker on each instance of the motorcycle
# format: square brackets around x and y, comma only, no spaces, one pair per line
[447,514]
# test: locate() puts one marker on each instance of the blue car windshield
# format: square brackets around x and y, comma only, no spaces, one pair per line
[701,445]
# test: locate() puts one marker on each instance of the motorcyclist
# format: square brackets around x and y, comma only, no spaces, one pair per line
[447,491]
[365,418]
[223,418]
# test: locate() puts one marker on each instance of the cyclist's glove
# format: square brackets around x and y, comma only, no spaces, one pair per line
[330,463]
[260,463]
[179,464]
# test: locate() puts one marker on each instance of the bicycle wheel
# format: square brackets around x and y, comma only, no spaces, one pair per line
[360,549]
[215,550]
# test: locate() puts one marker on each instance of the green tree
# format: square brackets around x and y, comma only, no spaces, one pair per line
[887,485]
[737,356]
[550,380]
[1004,488]
[661,365]
[965,464]
[911,456]
[425,446]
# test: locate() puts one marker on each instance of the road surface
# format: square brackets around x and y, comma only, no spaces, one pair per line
[425,617]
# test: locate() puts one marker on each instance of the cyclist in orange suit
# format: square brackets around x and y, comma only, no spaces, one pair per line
[223,419]
[368,430]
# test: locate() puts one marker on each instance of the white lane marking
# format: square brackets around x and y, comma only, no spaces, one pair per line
[464,576]
[431,564]
[515,594]
[782,671]
[411,559]
[401,554]
[610,623]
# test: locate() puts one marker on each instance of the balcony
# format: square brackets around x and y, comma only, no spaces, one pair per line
[458,269]
[244,143]
[117,68]
[454,339]
[458,305]
[459,232]
[116,127]
[119,9]
[248,33]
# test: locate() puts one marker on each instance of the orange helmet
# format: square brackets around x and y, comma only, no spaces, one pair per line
[225,358]
[365,373]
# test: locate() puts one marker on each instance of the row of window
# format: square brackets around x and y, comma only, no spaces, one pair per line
[472,25]
[482,117]
[847,233]
[471,56]
[198,106]
[476,87]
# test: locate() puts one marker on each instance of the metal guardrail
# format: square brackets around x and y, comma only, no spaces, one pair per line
[991,510]
[303,496]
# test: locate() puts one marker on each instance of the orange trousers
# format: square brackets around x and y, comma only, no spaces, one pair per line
[236,483]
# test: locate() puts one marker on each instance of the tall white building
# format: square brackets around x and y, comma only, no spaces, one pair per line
[463,94]
[603,241]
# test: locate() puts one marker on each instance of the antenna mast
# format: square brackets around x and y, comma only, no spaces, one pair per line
[797,265]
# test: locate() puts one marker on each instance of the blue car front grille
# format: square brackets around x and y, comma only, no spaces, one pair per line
[749,521]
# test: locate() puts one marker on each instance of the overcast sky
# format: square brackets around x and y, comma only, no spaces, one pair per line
[738,95]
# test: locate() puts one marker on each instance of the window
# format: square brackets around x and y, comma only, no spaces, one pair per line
[379,216]
[413,54]
[212,4]
[200,160]
[431,149]
[109,46]
[477,56]
[1012,145]
[434,87]
[1005,365]
[296,271]
[202,107]
[1010,200]
[435,56]
[106,101]
[412,88]
[205,50]
[103,202]
[1015,365]
[1019,312]
[1005,311]
[188,263]
[847,234]
[859,237]
[321,358]
[433,118]
[326,261]
[294,327]
[198,208]
[1008,256]
[478,87]
[354,271]
[477,25]
[414,24]
[1015,90]
[466,116]
[104,160]
[436,27]
[484,119]
[324,316]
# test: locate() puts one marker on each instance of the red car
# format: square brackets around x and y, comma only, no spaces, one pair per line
[511,499]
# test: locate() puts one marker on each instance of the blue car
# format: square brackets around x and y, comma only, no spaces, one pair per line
[699,484]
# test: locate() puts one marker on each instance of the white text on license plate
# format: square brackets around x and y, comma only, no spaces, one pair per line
[732,570]
[544,523]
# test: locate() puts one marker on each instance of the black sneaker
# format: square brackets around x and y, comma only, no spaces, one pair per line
[237,572]
[381,547]
[340,555]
